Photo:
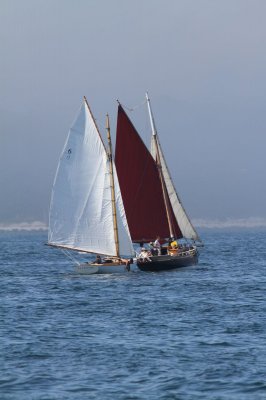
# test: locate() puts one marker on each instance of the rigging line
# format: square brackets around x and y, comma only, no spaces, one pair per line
[135,107]
[67,254]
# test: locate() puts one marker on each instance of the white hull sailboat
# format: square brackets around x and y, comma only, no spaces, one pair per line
[86,212]
[152,206]
[106,268]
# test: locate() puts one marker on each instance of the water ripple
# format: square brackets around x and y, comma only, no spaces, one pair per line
[195,333]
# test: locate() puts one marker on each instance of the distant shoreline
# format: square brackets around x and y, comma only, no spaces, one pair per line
[241,223]
[231,223]
[24,226]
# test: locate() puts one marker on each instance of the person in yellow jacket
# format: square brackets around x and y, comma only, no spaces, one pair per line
[174,244]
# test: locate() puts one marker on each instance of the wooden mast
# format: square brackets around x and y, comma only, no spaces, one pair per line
[159,166]
[110,157]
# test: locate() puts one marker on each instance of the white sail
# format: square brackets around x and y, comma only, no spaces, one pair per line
[125,243]
[183,221]
[81,208]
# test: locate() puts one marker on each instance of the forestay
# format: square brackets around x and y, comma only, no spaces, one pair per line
[81,209]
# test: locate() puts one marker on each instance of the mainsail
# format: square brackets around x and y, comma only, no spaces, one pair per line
[81,216]
[140,185]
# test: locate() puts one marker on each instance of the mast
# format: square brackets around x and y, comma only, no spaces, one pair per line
[110,157]
[159,166]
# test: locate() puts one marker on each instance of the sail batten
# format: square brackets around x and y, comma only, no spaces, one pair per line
[81,214]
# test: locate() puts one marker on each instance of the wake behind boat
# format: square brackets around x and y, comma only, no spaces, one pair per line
[152,205]
[86,212]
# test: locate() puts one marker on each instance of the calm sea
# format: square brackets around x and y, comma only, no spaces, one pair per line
[193,333]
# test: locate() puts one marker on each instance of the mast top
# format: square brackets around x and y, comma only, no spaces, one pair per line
[107,122]
[153,128]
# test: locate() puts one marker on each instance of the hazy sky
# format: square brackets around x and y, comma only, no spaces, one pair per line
[202,61]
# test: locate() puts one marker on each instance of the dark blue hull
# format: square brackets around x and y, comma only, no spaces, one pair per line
[167,262]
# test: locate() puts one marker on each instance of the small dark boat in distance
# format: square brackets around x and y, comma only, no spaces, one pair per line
[151,203]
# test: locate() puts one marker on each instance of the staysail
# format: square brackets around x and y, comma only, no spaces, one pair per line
[186,227]
[140,185]
[81,208]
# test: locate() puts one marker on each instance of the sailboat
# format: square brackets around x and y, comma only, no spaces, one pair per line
[86,211]
[153,208]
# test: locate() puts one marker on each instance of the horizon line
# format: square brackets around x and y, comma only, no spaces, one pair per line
[250,222]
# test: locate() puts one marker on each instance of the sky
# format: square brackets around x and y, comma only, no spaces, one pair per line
[203,63]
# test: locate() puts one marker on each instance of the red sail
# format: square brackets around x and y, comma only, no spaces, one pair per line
[140,185]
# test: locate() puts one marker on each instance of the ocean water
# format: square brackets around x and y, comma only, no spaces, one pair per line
[194,333]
